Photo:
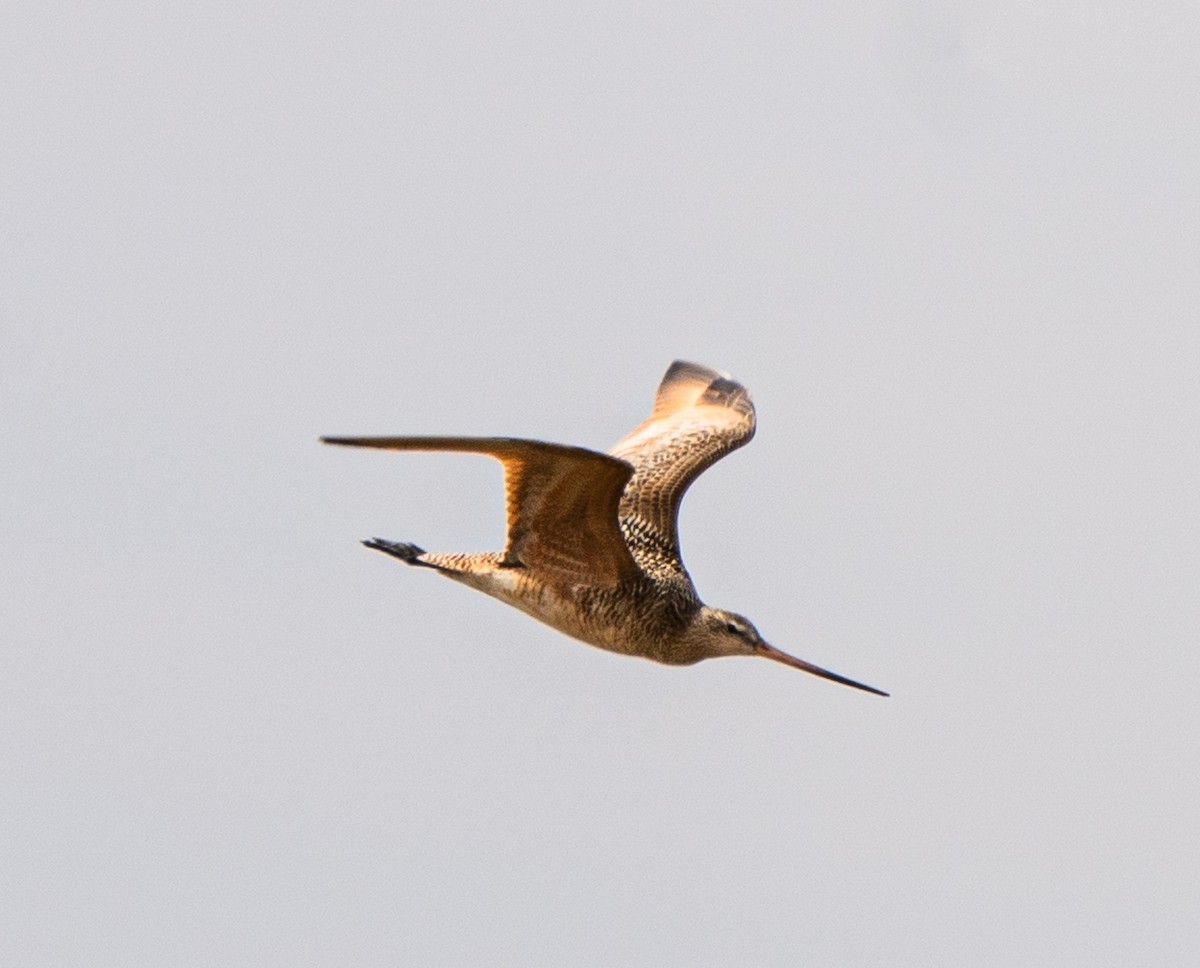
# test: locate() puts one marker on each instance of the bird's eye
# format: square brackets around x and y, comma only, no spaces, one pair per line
[734,628]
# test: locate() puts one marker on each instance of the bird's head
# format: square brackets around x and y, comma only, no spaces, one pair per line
[715,632]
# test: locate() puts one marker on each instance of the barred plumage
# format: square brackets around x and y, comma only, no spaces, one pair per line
[592,543]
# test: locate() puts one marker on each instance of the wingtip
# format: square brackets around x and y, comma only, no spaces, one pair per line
[686,369]
[358,441]
[687,384]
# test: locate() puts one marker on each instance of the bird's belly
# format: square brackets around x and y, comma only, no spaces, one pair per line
[578,614]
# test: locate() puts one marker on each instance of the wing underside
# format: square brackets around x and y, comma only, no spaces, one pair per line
[561,504]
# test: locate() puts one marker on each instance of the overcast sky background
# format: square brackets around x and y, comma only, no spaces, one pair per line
[952,250]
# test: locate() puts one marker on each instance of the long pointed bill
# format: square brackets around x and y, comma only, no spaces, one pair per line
[770,652]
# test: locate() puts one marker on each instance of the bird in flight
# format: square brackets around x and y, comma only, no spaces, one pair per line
[592,546]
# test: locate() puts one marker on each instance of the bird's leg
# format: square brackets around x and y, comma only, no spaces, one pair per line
[410,554]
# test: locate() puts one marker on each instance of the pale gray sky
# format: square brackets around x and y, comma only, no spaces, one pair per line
[951,249]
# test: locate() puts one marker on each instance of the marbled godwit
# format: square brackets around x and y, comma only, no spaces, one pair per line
[592,546]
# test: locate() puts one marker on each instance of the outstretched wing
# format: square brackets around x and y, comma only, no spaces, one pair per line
[561,502]
[699,416]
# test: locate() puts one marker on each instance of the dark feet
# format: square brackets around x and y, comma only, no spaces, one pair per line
[408,553]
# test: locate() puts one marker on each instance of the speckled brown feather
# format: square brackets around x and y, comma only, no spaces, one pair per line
[592,548]
[699,416]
